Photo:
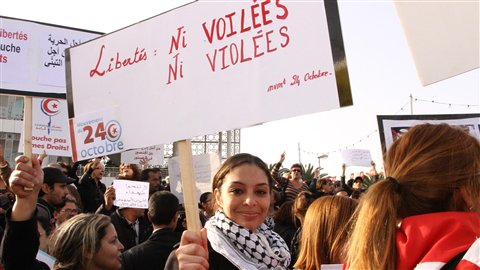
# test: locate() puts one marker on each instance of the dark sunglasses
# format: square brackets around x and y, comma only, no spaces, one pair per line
[296,170]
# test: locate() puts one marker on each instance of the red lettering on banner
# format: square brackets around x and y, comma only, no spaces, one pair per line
[250,47]
[102,68]
[254,17]
[177,65]
[245,50]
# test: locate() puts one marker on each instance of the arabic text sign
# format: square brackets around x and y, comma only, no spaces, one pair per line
[152,155]
[265,53]
[133,194]
[33,57]
[357,157]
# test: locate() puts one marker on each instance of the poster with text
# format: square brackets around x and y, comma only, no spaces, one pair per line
[210,66]
[133,194]
[152,155]
[392,127]
[357,157]
[50,131]
[32,56]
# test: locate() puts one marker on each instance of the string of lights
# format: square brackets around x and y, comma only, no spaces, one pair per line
[402,109]
[446,103]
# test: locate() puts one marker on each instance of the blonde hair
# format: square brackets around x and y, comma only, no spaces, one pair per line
[75,242]
[427,167]
[91,164]
[324,232]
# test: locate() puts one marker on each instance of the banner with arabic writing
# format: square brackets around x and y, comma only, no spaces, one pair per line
[32,56]
[152,155]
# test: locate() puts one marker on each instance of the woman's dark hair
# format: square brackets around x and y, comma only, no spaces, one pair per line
[203,199]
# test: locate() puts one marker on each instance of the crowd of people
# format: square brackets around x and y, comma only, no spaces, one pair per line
[424,215]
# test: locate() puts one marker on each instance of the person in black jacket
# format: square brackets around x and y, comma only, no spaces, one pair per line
[152,254]
[131,225]
[90,187]
[21,241]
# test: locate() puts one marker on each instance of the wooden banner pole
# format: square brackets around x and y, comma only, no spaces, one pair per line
[27,128]
[188,185]
[27,131]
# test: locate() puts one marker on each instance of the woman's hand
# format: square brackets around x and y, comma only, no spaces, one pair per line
[25,180]
[109,197]
[193,250]
[25,183]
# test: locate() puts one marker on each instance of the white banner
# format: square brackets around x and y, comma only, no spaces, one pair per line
[50,133]
[211,66]
[32,56]
[443,36]
[205,166]
[133,194]
[152,155]
[357,157]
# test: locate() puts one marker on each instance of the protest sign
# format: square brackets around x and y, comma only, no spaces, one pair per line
[152,155]
[50,133]
[392,127]
[32,58]
[133,194]
[357,157]
[205,166]
[249,56]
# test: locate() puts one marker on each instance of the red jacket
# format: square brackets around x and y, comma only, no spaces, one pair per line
[431,240]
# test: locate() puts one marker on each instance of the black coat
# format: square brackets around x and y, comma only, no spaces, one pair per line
[126,234]
[216,261]
[91,192]
[20,245]
[153,253]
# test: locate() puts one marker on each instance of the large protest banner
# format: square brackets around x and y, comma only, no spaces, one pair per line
[32,56]
[392,127]
[202,68]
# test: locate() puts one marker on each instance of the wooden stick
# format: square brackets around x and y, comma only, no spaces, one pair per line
[188,185]
[27,131]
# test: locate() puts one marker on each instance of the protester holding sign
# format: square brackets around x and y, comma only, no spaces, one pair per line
[90,187]
[426,213]
[238,236]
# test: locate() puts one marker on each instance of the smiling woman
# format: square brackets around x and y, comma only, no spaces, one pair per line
[238,235]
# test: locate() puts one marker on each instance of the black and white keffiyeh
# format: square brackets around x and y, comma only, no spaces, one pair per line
[263,249]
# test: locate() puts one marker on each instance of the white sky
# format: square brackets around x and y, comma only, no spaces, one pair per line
[381,69]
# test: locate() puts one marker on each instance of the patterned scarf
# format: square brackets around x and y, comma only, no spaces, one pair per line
[263,249]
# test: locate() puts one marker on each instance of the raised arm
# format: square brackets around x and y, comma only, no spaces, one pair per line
[20,243]
[374,171]
[275,171]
